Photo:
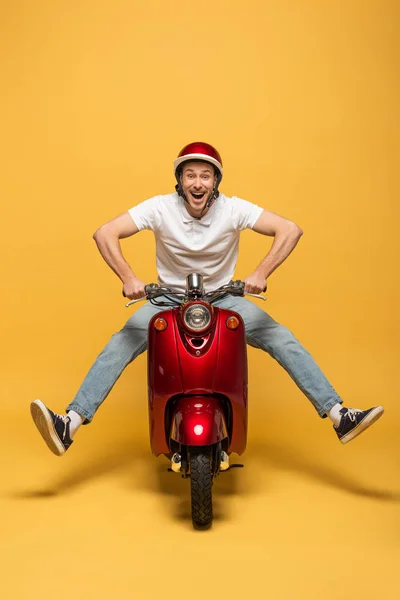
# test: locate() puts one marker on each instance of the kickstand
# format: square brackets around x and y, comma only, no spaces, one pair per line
[235,466]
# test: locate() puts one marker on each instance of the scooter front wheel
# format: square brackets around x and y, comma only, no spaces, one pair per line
[201,479]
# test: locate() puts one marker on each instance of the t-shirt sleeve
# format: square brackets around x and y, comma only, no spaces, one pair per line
[146,214]
[245,213]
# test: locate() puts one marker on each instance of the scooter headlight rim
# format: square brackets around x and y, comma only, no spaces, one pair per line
[197,317]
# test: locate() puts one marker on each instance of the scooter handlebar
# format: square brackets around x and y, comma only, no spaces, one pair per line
[236,288]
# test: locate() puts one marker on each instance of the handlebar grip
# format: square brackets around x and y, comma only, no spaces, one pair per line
[150,287]
[264,290]
[147,288]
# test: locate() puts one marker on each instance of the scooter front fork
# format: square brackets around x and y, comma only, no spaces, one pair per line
[220,461]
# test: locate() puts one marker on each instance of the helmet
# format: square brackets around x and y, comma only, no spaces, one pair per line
[199,151]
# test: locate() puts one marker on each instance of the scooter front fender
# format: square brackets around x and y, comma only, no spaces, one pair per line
[198,421]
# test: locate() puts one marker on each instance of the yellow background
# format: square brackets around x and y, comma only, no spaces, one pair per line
[301,98]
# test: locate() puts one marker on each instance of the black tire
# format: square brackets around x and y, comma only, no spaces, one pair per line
[201,487]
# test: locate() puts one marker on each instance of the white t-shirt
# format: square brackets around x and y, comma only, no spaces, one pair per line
[185,245]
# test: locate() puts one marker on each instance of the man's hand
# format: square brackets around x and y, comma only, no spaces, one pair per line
[255,283]
[134,289]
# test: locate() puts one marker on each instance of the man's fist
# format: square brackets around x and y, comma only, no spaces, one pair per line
[255,283]
[134,289]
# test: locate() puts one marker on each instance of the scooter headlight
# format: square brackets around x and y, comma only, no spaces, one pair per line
[197,317]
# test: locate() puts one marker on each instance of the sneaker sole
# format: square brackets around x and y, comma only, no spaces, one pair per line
[43,421]
[373,416]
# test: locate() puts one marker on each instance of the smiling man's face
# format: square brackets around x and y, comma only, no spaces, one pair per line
[198,180]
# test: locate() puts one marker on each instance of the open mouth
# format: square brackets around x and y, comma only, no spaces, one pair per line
[198,196]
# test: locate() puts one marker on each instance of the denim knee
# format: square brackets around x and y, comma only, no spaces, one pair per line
[276,341]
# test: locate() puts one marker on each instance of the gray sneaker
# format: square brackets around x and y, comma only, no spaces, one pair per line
[354,421]
[53,428]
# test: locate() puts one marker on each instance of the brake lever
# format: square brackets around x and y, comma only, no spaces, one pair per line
[134,301]
[153,291]
[255,296]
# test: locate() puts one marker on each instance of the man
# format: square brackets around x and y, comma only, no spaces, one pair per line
[197,229]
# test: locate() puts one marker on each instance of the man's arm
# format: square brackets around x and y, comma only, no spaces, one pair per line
[286,235]
[107,238]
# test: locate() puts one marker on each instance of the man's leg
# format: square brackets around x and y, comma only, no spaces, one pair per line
[123,348]
[263,332]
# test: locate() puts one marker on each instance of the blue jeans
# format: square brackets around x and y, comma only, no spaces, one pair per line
[261,332]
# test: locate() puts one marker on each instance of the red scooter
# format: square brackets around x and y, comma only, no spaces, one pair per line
[197,384]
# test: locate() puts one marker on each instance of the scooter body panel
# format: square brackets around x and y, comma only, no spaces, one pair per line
[183,366]
[198,421]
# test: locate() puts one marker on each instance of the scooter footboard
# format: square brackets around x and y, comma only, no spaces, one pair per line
[198,421]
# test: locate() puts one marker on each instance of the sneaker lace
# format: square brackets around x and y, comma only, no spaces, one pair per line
[65,419]
[352,414]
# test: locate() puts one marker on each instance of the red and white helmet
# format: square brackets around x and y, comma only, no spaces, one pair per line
[200,151]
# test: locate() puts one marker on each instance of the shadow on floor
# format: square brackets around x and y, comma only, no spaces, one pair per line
[288,459]
[152,474]
[118,458]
